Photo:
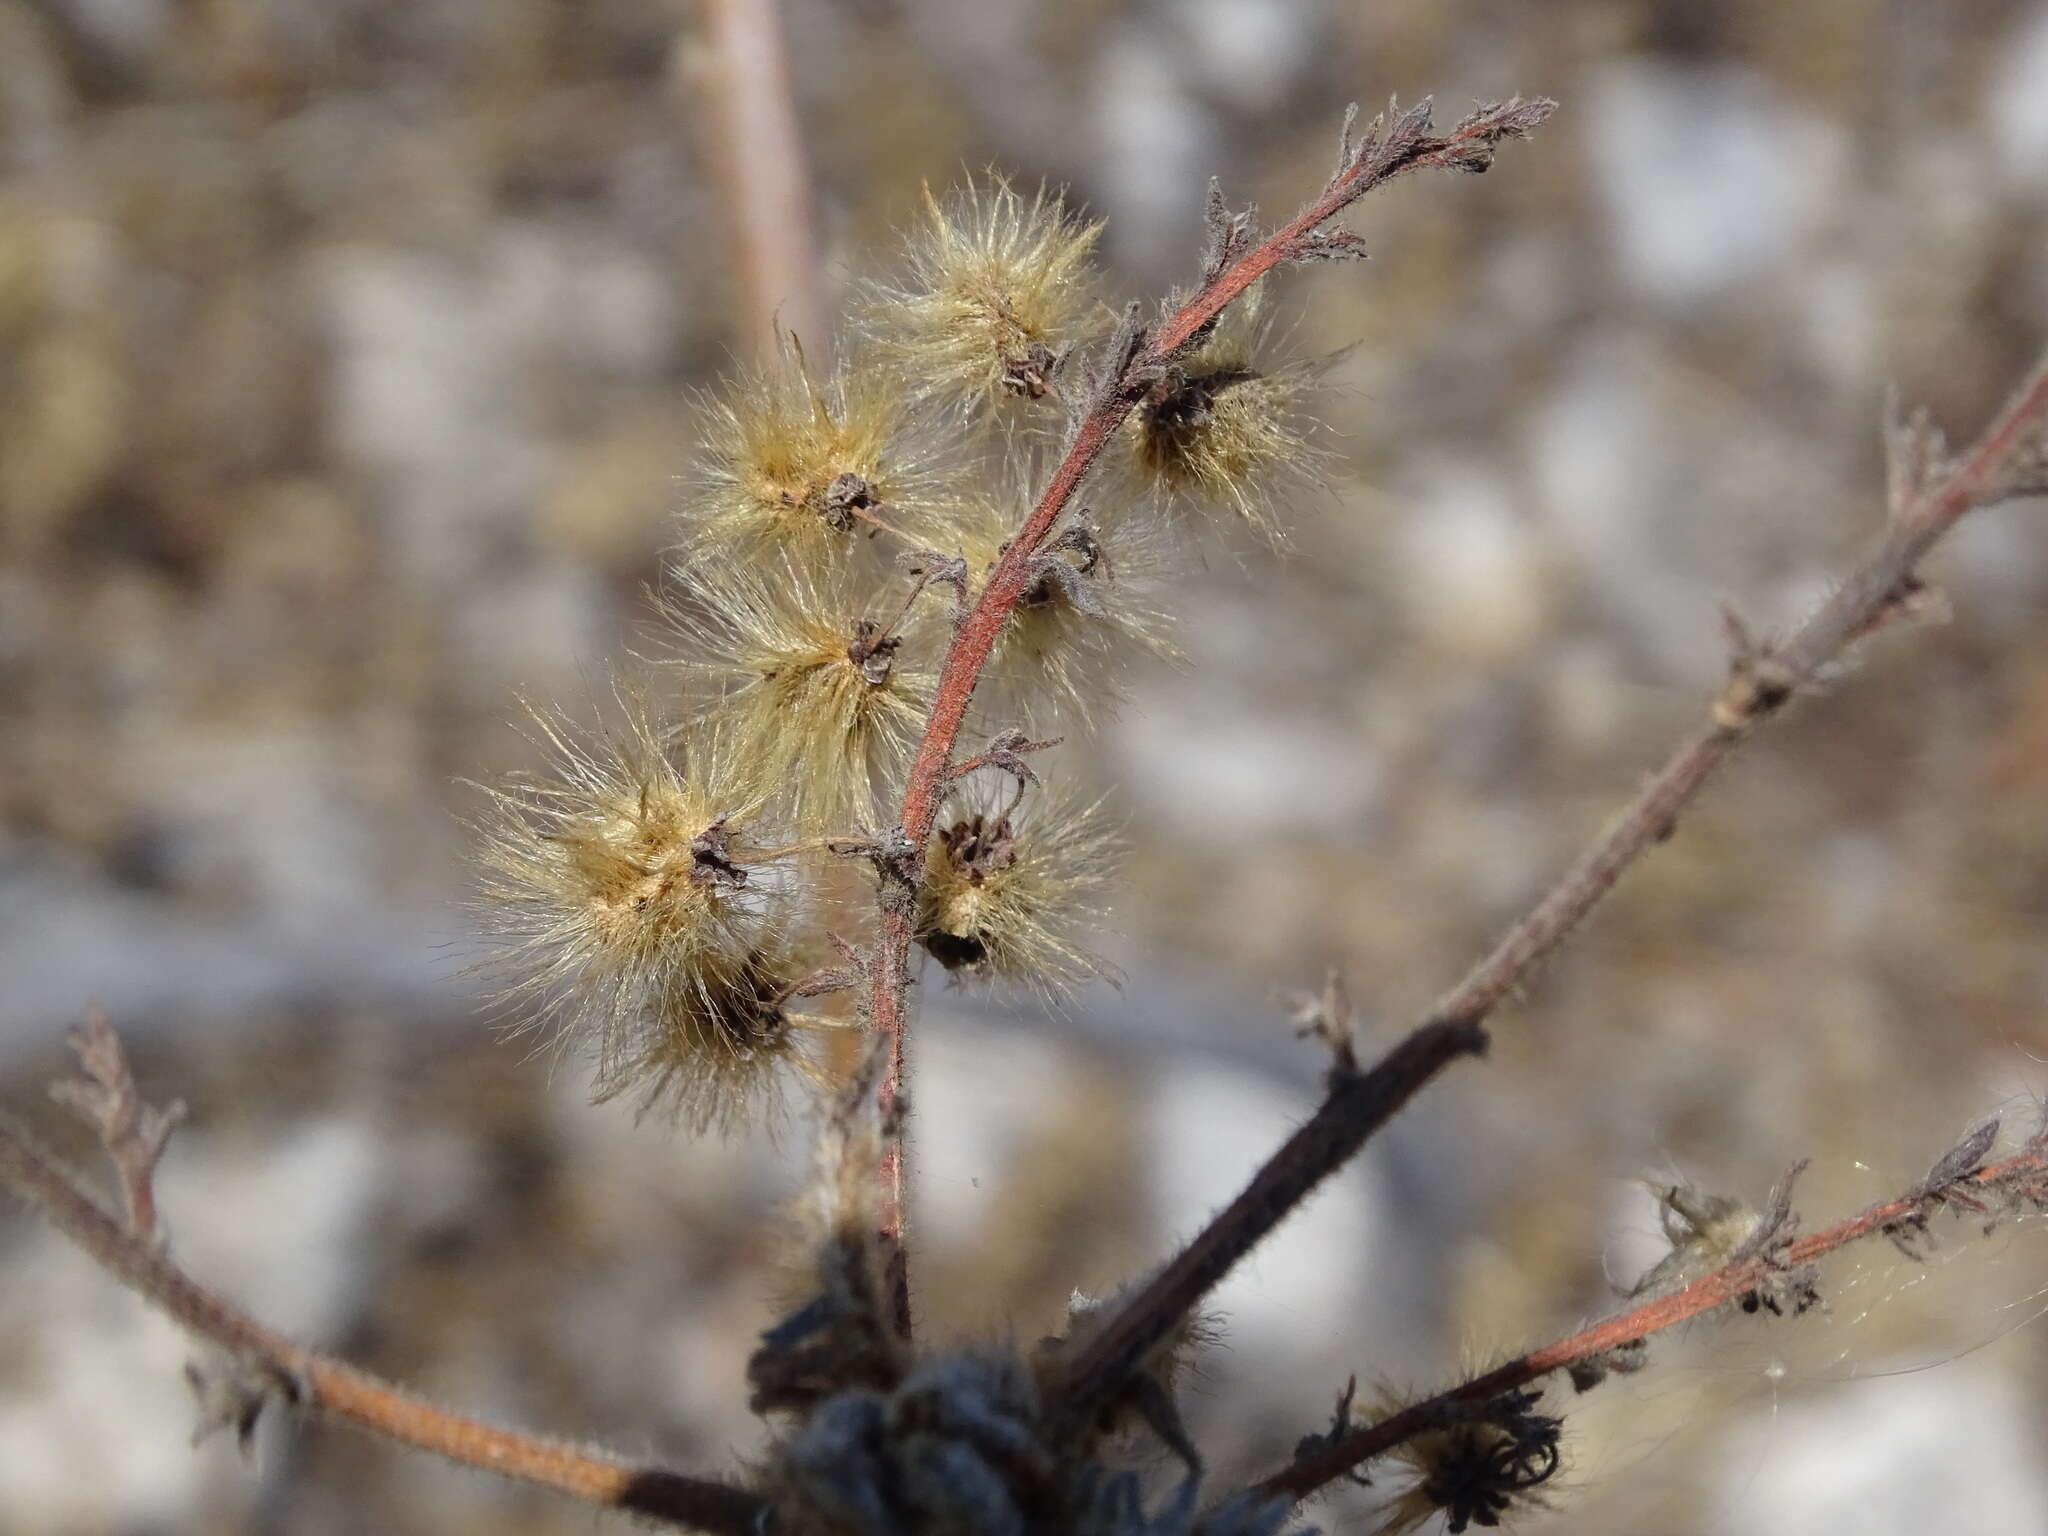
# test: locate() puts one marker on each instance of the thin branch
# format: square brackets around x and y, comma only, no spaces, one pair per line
[1763,678]
[133,1133]
[758,153]
[2021,1180]
[133,1256]
[1357,1105]
[1136,359]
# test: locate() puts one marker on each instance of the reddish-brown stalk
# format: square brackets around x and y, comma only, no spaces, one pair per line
[134,1254]
[1406,147]
[2023,1174]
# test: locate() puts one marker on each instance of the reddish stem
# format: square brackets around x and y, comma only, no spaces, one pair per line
[2023,1171]
[340,1391]
[975,637]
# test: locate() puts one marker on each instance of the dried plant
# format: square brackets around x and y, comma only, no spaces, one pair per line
[840,600]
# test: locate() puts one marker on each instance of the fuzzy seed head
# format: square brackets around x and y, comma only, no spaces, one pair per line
[1226,430]
[1096,604]
[620,886]
[825,683]
[1705,1231]
[996,289]
[808,467]
[715,1053]
[1006,888]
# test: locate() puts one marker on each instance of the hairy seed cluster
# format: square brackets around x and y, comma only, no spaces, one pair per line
[668,893]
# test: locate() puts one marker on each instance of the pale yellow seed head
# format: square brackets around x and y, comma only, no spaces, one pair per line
[823,681]
[995,288]
[809,467]
[1228,431]
[620,887]
[1005,891]
[720,1052]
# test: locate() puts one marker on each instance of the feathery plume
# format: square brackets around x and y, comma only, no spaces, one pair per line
[719,1052]
[1009,879]
[823,685]
[1226,431]
[808,467]
[996,290]
[621,887]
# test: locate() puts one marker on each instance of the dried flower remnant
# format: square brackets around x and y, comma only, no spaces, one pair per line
[1705,1231]
[720,1053]
[996,290]
[961,1443]
[1008,879]
[824,683]
[1225,430]
[808,467]
[1095,604]
[1475,1467]
[621,885]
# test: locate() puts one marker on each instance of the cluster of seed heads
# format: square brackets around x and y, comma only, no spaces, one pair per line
[676,895]
[667,894]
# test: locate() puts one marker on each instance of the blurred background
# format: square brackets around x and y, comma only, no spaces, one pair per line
[346,358]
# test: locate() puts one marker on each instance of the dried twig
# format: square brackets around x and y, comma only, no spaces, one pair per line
[2021,1181]
[758,152]
[266,1364]
[133,1133]
[1357,1105]
[1134,360]
[1763,677]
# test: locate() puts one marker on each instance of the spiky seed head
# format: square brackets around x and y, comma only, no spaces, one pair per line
[1475,1467]
[996,288]
[719,1052]
[620,885]
[825,680]
[1006,886]
[809,466]
[1226,431]
[1095,604]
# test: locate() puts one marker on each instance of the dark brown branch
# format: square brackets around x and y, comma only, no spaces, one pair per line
[1357,1105]
[133,1256]
[1394,145]
[2022,1179]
